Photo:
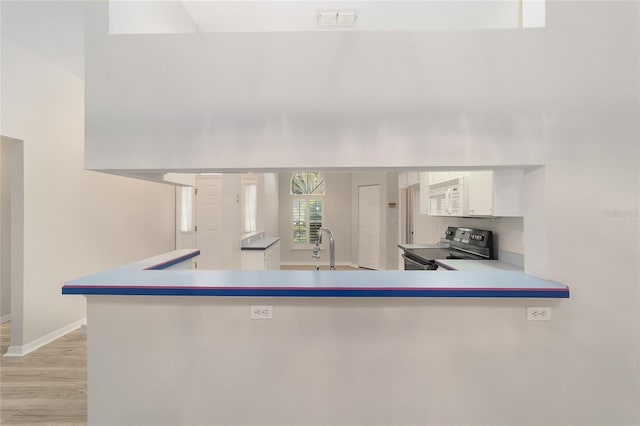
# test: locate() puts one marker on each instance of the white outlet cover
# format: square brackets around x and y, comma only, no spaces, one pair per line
[538,313]
[261,312]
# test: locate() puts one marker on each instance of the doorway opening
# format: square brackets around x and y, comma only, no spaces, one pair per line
[12,236]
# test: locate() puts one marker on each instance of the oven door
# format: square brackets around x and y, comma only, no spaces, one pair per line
[415,264]
[422,259]
[455,253]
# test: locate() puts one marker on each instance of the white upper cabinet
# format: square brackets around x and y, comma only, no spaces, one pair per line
[486,193]
[508,193]
[496,193]
[480,193]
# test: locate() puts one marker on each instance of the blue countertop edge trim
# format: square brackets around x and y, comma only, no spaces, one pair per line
[172,262]
[346,292]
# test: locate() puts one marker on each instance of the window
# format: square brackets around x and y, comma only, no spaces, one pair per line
[186,209]
[307,207]
[250,207]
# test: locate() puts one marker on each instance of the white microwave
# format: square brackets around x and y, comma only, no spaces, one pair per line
[449,198]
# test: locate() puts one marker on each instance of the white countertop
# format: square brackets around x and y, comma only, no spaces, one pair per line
[477,265]
[420,246]
[261,244]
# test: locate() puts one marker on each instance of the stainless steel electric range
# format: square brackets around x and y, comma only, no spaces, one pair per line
[464,243]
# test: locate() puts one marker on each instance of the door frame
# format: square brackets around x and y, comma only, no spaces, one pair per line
[15,232]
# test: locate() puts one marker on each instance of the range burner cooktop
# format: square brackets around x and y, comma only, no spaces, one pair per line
[464,243]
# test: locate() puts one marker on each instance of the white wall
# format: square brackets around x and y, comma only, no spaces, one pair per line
[406,105]
[271,204]
[320,361]
[232,222]
[5,229]
[565,97]
[75,222]
[391,227]
[337,217]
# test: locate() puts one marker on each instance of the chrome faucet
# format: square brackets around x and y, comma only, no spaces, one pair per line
[332,248]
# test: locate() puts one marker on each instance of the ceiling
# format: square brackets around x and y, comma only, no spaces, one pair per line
[53,30]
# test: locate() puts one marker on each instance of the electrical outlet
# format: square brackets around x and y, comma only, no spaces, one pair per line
[538,313]
[262,312]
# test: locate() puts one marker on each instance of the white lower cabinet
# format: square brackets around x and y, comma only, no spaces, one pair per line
[272,257]
[267,259]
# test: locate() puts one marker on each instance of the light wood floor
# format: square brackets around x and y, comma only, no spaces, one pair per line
[47,386]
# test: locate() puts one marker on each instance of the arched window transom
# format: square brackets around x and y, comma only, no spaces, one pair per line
[307,183]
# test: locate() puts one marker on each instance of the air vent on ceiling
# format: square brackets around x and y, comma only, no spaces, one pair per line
[337,18]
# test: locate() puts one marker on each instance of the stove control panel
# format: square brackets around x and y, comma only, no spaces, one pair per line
[469,236]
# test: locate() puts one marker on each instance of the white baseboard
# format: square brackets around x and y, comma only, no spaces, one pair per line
[5,318]
[353,265]
[38,343]
[311,263]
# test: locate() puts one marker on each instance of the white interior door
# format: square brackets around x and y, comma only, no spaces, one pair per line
[210,225]
[369,226]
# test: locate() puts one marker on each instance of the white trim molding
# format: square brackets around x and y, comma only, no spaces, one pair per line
[38,343]
[323,263]
[5,318]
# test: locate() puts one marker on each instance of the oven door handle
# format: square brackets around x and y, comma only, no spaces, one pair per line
[475,255]
[408,259]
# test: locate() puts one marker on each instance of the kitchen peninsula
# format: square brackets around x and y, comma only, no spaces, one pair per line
[157,357]
[151,278]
